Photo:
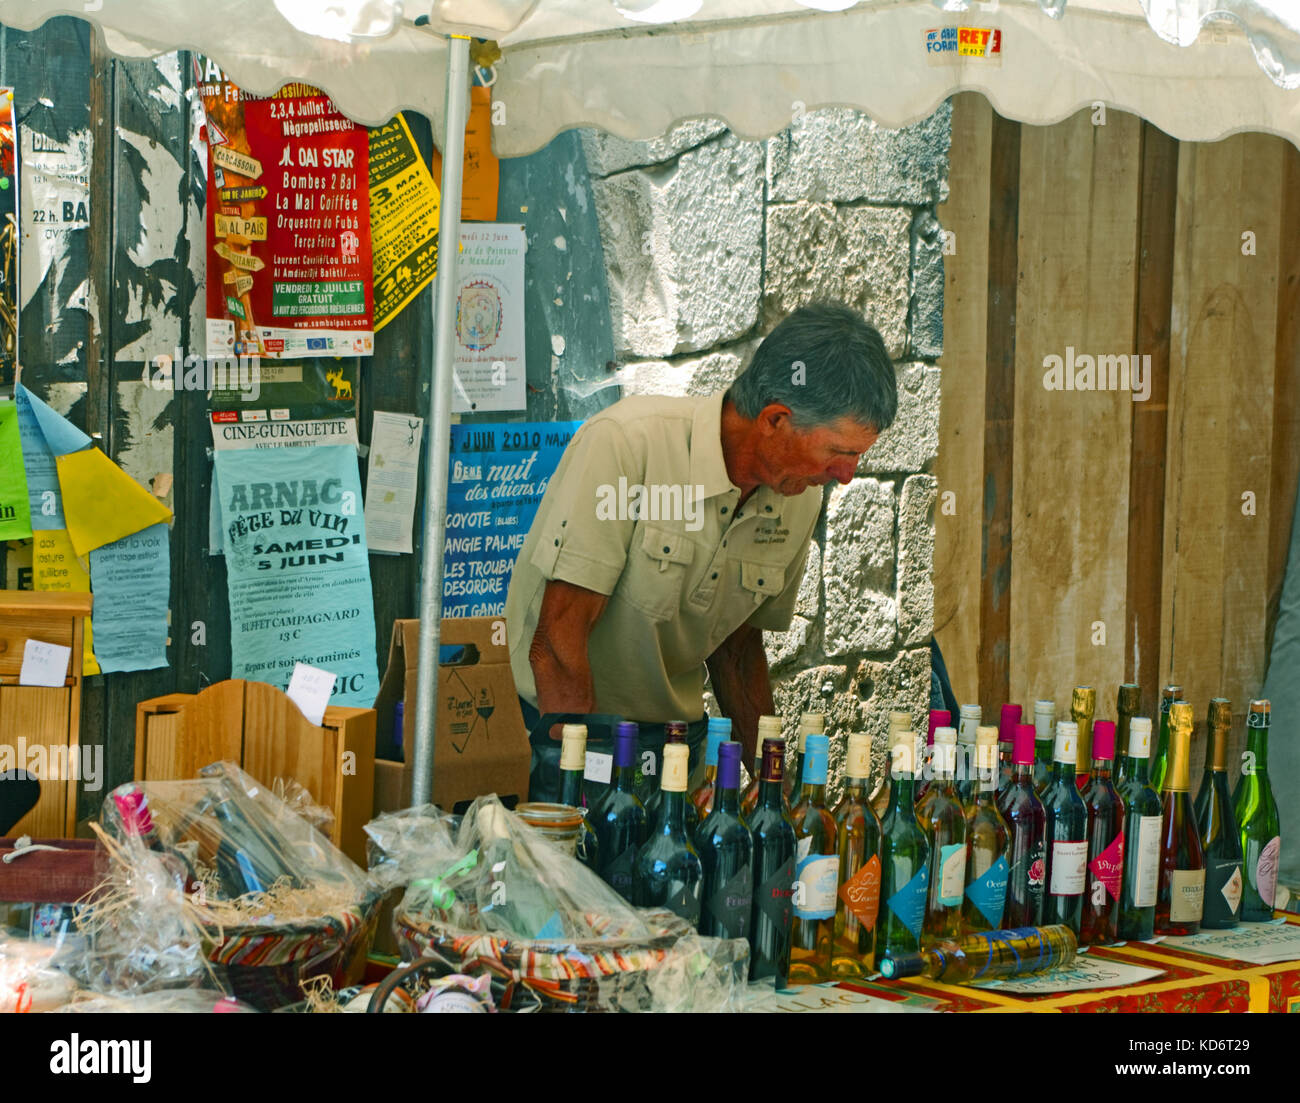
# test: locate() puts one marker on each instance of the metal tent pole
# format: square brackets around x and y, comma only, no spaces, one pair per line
[435,468]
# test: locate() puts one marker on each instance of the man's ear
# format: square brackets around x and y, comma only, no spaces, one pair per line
[774,417]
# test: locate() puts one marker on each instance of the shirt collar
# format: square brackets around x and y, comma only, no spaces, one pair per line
[708,467]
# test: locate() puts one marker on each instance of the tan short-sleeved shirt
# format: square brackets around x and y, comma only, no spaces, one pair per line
[682,566]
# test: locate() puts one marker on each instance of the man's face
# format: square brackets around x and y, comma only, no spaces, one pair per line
[794,459]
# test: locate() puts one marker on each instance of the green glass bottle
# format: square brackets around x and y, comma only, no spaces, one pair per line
[898,721]
[1067,833]
[573,764]
[1044,743]
[1143,815]
[772,833]
[1083,707]
[726,852]
[620,819]
[1160,756]
[1128,704]
[904,857]
[675,732]
[816,870]
[1220,838]
[1256,812]
[668,873]
[858,831]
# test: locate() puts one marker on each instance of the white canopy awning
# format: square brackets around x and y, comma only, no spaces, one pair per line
[615,64]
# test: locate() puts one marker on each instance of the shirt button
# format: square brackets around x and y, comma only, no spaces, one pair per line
[767,509]
[557,543]
[724,543]
[760,582]
[667,549]
[724,509]
[714,575]
[563,523]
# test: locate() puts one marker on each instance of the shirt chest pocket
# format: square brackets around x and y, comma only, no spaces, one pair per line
[662,558]
[760,581]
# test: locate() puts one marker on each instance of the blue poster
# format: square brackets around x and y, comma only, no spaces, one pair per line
[297,568]
[131,580]
[45,435]
[496,479]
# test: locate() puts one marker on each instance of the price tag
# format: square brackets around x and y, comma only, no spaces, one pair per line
[310,689]
[44,664]
[600,767]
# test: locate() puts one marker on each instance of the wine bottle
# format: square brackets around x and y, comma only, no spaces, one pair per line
[573,764]
[987,840]
[675,732]
[1217,825]
[701,797]
[858,838]
[1027,823]
[1128,704]
[1044,742]
[816,870]
[1180,901]
[1067,833]
[1256,812]
[726,852]
[944,822]
[1160,758]
[1007,722]
[137,822]
[898,721]
[926,772]
[1099,925]
[1142,818]
[988,956]
[1083,707]
[966,779]
[668,872]
[774,850]
[904,857]
[809,723]
[621,821]
[969,720]
[769,727]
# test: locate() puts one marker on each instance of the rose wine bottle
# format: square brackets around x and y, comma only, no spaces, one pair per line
[904,858]
[701,797]
[858,832]
[987,839]
[668,873]
[1217,825]
[621,820]
[944,821]
[573,764]
[809,723]
[675,732]
[988,956]
[1027,823]
[898,721]
[816,870]
[1083,707]
[726,853]
[1127,705]
[1142,819]
[1256,813]
[774,856]
[1044,743]
[1180,901]
[1160,757]
[769,727]
[1007,722]
[1100,923]
[1067,833]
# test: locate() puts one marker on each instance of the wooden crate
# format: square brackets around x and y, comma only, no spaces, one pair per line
[40,726]
[258,727]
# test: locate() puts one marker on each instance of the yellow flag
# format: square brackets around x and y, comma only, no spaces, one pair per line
[101,502]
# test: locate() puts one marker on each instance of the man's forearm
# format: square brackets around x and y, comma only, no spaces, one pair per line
[564,682]
[739,676]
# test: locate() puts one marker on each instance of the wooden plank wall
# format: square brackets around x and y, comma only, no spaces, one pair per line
[1135,549]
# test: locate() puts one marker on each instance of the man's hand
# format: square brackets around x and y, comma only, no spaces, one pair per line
[558,653]
[741,683]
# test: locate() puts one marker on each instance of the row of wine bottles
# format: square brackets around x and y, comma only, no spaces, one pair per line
[828,894]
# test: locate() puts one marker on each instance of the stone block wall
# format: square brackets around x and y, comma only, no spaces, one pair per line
[710,240]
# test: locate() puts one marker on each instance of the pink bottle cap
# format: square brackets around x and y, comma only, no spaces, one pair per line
[939,718]
[1023,753]
[1103,739]
[1007,725]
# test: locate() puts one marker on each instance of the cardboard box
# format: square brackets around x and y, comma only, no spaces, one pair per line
[480,744]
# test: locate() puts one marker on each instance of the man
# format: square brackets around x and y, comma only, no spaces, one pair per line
[675,530]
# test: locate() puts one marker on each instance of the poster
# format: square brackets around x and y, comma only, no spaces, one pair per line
[391,481]
[1258,943]
[15,508]
[496,478]
[403,219]
[288,223]
[489,367]
[297,568]
[1083,975]
[56,569]
[35,420]
[8,239]
[131,580]
[481,171]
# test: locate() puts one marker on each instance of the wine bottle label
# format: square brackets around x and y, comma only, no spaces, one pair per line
[599,767]
[1146,859]
[908,903]
[730,903]
[1108,867]
[1222,888]
[1266,871]
[816,879]
[988,892]
[952,874]
[618,874]
[1186,895]
[1068,862]
[774,896]
[861,892]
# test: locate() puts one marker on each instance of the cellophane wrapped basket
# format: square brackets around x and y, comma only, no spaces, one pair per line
[217,883]
[496,897]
